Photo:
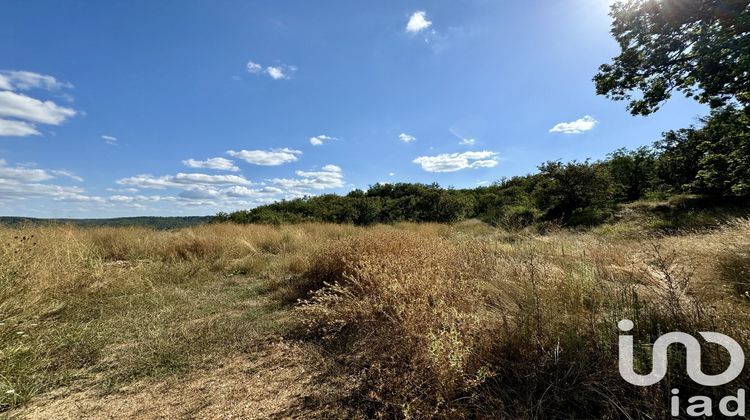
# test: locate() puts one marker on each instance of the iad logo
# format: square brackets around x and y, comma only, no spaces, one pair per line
[700,405]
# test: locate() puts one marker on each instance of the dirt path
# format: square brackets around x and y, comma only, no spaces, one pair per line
[280,381]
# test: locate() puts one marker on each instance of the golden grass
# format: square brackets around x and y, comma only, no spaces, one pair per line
[425,320]
[116,304]
[471,325]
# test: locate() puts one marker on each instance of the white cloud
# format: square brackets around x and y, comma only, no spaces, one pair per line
[17,128]
[123,190]
[406,138]
[418,22]
[331,168]
[253,67]
[19,113]
[25,80]
[81,198]
[267,157]
[110,140]
[66,174]
[463,141]
[330,176]
[182,181]
[451,162]
[239,192]
[23,174]
[578,126]
[200,194]
[23,182]
[138,198]
[16,105]
[276,73]
[17,190]
[219,164]
[391,174]
[318,140]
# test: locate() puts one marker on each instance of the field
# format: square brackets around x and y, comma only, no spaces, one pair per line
[324,320]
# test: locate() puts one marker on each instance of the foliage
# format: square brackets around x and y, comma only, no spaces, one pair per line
[633,173]
[174,222]
[713,159]
[698,47]
[573,193]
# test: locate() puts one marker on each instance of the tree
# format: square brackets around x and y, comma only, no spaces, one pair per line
[453,206]
[632,172]
[698,47]
[576,193]
[678,160]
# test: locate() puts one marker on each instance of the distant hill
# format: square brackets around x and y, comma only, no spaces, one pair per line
[152,222]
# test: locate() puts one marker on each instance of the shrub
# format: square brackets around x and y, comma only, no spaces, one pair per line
[406,310]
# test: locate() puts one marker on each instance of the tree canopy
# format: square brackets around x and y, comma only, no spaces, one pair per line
[698,47]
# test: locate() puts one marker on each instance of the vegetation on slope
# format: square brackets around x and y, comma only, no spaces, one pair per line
[470,326]
[173,222]
[417,320]
[711,162]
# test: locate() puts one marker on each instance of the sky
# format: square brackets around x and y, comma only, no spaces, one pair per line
[192,107]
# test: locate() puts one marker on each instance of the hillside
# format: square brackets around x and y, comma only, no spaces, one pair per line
[173,222]
[337,321]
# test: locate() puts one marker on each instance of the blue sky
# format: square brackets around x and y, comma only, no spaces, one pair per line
[115,108]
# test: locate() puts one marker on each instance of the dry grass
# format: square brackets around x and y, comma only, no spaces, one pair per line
[473,326]
[417,320]
[111,305]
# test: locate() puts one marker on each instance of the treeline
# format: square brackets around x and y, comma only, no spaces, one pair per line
[712,160]
[161,223]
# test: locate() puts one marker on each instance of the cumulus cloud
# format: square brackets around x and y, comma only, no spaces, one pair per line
[319,140]
[17,128]
[451,162]
[332,168]
[26,80]
[273,157]
[23,174]
[24,181]
[578,126]
[200,194]
[253,67]
[17,190]
[467,142]
[19,113]
[244,192]
[181,181]
[16,105]
[329,177]
[418,22]
[138,198]
[276,72]
[219,164]
[222,192]
[406,138]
